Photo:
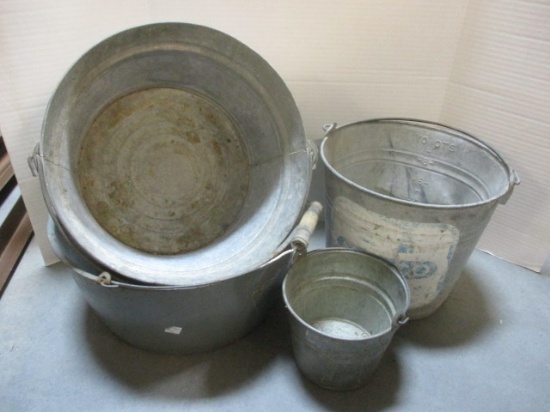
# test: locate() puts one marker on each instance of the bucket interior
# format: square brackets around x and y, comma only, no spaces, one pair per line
[342,308]
[345,294]
[416,161]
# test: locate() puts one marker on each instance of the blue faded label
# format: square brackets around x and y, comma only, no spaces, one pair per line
[417,269]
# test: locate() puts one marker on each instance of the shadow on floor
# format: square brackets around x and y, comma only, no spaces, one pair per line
[462,318]
[175,376]
[230,368]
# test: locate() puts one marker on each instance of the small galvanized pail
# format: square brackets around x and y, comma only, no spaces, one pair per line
[417,193]
[345,307]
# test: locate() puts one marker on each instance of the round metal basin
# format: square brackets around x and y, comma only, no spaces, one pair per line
[173,154]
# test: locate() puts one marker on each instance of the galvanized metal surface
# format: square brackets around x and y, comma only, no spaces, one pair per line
[344,308]
[417,193]
[173,154]
[164,171]
[172,319]
[176,319]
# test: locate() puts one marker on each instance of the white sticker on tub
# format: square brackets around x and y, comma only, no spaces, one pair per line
[176,330]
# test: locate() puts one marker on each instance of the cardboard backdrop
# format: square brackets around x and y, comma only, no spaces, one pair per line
[482,66]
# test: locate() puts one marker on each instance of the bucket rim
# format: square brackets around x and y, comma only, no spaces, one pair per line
[397,320]
[513,178]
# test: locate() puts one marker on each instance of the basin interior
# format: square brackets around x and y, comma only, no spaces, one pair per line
[164,170]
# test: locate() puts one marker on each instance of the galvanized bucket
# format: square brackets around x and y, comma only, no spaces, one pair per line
[345,307]
[172,154]
[176,319]
[417,193]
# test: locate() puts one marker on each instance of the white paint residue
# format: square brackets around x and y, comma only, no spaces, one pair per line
[421,251]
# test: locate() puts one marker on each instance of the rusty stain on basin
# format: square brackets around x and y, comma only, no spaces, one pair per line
[163,170]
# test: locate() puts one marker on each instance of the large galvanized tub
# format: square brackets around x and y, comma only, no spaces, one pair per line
[172,154]
[174,319]
[177,319]
[417,193]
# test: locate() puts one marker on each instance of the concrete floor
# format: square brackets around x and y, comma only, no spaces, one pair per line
[486,349]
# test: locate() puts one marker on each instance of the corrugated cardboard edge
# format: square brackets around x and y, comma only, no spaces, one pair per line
[498,91]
